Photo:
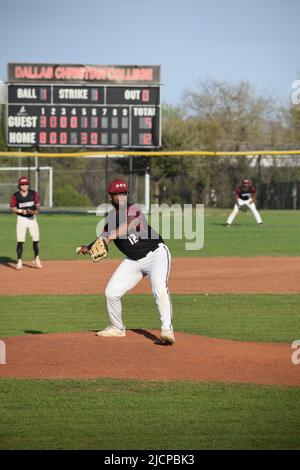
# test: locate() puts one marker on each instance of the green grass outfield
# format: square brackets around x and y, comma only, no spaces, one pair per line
[240,317]
[60,234]
[112,414]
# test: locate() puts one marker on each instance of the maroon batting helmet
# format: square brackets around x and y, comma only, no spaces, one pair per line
[23,180]
[117,187]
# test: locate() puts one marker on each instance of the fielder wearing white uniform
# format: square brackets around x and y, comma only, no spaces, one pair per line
[146,255]
[25,204]
[245,198]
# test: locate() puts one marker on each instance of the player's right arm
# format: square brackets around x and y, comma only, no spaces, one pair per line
[110,235]
[17,211]
[120,231]
[14,206]
[131,220]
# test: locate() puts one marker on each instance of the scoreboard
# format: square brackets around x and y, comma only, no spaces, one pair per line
[83,116]
[119,110]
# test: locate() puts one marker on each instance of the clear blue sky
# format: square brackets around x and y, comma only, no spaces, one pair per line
[256,40]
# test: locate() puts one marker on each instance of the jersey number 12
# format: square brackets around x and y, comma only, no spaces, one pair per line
[133,239]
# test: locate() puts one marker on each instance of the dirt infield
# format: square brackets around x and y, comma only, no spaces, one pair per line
[140,355]
[188,275]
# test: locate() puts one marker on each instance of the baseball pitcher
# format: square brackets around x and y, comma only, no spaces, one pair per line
[146,255]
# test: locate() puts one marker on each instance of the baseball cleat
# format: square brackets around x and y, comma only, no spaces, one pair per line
[167,337]
[19,264]
[37,263]
[111,331]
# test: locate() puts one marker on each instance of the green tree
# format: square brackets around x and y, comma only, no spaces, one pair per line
[236,111]
[67,196]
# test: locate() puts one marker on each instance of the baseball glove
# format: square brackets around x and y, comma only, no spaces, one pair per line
[244,208]
[97,251]
[28,212]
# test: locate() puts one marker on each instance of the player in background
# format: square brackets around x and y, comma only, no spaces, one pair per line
[26,205]
[146,255]
[245,196]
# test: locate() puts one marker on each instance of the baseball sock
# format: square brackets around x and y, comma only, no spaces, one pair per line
[19,250]
[36,249]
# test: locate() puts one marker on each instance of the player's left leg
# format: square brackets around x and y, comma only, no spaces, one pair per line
[19,255]
[157,265]
[35,235]
[255,213]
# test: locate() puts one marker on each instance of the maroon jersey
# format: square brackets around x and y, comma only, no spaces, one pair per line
[30,201]
[140,240]
[245,193]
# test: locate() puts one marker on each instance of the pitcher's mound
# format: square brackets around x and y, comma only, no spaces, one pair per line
[141,355]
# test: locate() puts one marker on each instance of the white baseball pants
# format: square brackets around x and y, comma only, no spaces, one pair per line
[251,206]
[30,223]
[129,273]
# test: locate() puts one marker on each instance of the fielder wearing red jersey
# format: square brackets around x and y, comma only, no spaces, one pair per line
[245,199]
[26,205]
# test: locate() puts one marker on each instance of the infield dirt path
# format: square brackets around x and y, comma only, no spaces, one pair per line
[188,275]
[140,355]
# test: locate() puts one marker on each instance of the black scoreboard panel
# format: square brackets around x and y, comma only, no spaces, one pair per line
[106,116]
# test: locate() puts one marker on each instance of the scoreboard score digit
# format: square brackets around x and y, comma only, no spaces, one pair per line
[65,115]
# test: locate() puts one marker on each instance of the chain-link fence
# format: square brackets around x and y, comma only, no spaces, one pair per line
[81,183]
[69,183]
